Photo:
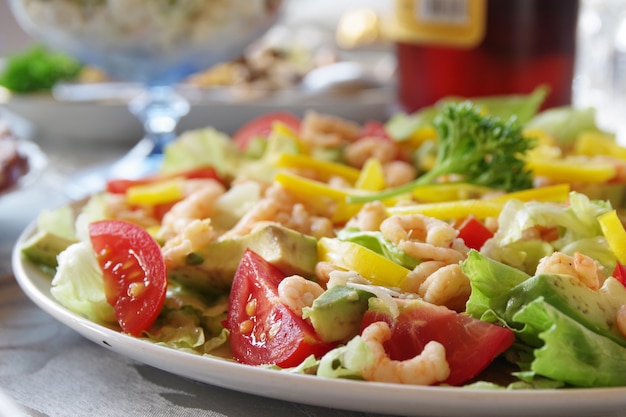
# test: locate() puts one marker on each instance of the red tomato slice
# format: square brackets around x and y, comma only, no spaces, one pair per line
[374,128]
[474,233]
[120,186]
[619,273]
[262,329]
[262,126]
[135,278]
[471,345]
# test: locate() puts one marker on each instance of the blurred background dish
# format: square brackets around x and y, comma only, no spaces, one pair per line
[271,75]
[21,161]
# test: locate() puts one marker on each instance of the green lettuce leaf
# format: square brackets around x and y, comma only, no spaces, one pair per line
[576,223]
[489,280]
[377,243]
[190,321]
[565,123]
[346,361]
[521,106]
[78,284]
[571,352]
[201,147]
[58,221]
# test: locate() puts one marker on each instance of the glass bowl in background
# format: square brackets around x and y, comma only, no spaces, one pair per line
[152,42]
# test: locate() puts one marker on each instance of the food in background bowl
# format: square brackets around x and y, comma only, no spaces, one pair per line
[146,41]
[13,164]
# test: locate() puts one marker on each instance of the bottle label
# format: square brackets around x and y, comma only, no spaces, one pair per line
[460,23]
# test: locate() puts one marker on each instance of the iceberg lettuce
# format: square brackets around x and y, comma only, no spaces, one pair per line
[577,226]
[78,284]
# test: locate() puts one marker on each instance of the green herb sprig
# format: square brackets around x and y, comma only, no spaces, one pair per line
[476,149]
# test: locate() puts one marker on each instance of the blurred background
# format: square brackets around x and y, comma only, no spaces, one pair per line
[329,31]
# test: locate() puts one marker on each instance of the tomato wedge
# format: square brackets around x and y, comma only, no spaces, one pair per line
[376,129]
[619,273]
[262,126]
[262,329]
[474,233]
[121,185]
[135,278]
[471,344]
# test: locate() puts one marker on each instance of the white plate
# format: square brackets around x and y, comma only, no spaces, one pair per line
[342,394]
[37,162]
[41,117]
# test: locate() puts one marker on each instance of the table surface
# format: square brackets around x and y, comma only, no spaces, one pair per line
[47,369]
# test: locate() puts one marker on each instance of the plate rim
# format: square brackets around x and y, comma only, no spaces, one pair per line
[360,396]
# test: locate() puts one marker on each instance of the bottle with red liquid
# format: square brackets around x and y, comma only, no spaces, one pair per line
[473,48]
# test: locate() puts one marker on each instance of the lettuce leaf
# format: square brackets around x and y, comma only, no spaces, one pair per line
[201,147]
[78,284]
[577,226]
[571,352]
[377,243]
[190,321]
[565,123]
[489,280]
[346,361]
[58,221]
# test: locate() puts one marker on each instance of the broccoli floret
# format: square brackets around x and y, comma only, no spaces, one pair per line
[476,148]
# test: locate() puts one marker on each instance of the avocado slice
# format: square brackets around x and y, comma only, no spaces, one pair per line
[594,309]
[211,269]
[336,314]
[43,248]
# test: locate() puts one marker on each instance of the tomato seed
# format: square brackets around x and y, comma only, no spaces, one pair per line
[135,289]
[251,307]
[246,327]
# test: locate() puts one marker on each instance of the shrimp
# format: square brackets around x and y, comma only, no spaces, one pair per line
[418,227]
[117,207]
[424,251]
[297,292]
[196,234]
[447,286]
[370,217]
[580,266]
[280,207]
[398,173]
[439,284]
[198,204]
[323,270]
[419,274]
[427,368]
[319,130]
[358,152]
[425,238]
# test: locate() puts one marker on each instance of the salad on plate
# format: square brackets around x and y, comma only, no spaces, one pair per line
[471,244]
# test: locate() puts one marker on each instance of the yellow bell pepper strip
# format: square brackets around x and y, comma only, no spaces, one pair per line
[452,210]
[449,192]
[325,169]
[317,194]
[421,135]
[160,192]
[371,177]
[571,171]
[370,265]
[615,235]
[554,193]
[311,188]
[598,143]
